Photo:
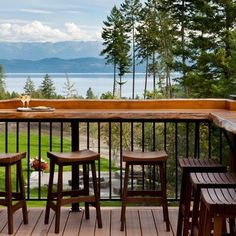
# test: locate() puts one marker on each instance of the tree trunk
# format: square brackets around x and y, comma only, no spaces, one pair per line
[154,71]
[114,80]
[146,76]
[133,89]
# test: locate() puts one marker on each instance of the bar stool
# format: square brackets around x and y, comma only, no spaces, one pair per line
[56,199]
[217,204]
[159,159]
[208,180]
[7,160]
[187,166]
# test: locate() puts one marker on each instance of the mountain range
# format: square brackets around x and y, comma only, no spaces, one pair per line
[38,51]
[61,57]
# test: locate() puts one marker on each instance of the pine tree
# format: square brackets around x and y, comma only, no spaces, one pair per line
[90,94]
[29,87]
[116,44]
[131,10]
[211,52]
[69,88]
[47,87]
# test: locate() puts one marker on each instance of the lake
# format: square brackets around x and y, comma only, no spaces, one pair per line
[98,82]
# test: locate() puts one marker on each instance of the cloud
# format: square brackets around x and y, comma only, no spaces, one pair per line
[77,33]
[36,31]
[37,11]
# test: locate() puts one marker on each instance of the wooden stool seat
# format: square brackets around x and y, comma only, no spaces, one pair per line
[159,159]
[187,166]
[7,160]
[73,157]
[217,204]
[208,180]
[57,199]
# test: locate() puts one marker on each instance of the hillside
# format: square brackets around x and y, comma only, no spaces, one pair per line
[56,65]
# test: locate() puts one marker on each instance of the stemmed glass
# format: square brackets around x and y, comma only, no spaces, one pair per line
[27,99]
[23,99]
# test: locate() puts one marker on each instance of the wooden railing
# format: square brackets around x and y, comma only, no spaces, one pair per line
[184,128]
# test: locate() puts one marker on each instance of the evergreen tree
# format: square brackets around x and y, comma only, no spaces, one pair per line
[69,88]
[29,87]
[131,10]
[211,52]
[116,45]
[90,94]
[47,87]
[181,12]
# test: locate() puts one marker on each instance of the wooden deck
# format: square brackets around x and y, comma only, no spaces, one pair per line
[139,221]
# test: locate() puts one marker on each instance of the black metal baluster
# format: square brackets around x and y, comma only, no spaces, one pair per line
[121,146]
[143,149]
[39,157]
[196,141]
[187,139]
[110,143]
[75,170]
[50,136]
[154,148]
[61,136]
[99,161]
[221,145]
[132,149]
[209,139]
[176,160]
[6,137]
[28,159]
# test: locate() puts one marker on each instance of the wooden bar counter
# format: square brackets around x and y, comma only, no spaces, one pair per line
[221,112]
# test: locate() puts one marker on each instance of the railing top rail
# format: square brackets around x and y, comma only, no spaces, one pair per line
[126,104]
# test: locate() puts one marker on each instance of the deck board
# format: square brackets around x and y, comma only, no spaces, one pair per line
[145,221]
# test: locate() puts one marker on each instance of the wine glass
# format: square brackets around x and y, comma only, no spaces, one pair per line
[27,99]
[23,99]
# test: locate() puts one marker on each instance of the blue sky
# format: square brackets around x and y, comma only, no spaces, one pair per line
[53,20]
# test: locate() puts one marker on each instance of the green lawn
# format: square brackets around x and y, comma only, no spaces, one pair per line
[34,151]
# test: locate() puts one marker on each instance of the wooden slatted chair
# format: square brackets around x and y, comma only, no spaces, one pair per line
[208,180]
[217,204]
[159,159]
[7,160]
[57,199]
[187,166]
